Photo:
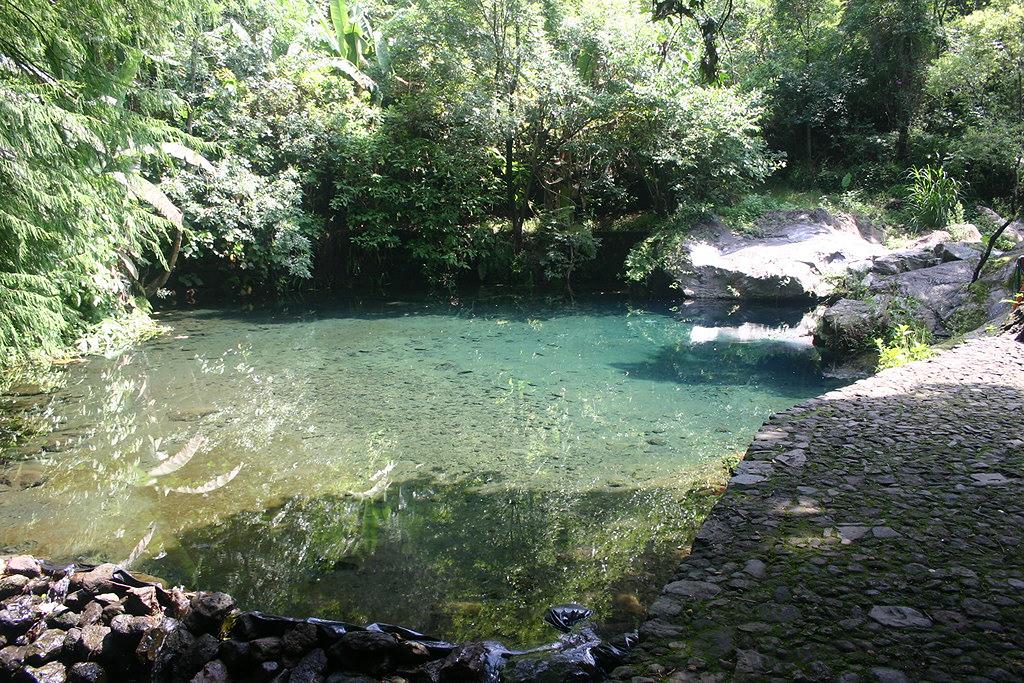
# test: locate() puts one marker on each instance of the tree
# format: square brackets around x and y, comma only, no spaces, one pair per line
[78,124]
[710,17]
[890,43]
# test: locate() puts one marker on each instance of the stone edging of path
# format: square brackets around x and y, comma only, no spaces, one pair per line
[874,533]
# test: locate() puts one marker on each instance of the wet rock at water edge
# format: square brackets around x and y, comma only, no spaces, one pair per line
[24,565]
[97,580]
[301,638]
[208,611]
[367,651]
[87,672]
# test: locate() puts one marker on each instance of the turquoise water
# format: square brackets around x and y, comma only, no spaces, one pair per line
[455,467]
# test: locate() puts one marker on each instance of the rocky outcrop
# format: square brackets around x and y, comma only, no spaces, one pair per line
[942,296]
[60,625]
[928,281]
[795,256]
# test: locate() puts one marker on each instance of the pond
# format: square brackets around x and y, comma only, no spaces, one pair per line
[454,467]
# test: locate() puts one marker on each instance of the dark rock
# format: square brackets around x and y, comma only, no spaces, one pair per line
[142,601]
[214,672]
[236,654]
[54,672]
[14,584]
[300,639]
[12,657]
[365,650]
[92,613]
[267,671]
[208,611]
[111,611]
[76,600]
[18,615]
[203,649]
[696,590]
[151,645]
[96,581]
[343,677]
[750,662]
[886,675]
[266,649]
[87,672]
[172,643]
[45,648]
[309,668]
[92,641]
[851,325]
[178,604]
[899,617]
[64,619]
[127,631]
[469,662]
[571,665]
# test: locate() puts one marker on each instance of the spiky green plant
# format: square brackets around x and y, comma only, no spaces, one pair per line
[934,197]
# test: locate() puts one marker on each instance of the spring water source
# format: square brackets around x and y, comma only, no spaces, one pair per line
[453,467]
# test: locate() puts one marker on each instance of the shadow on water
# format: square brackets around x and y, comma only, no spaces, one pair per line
[517,308]
[459,562]
[785,369]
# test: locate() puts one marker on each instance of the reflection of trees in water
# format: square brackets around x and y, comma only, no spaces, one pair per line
[462,562]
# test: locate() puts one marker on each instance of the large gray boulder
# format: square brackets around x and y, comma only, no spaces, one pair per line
[936,292]
[851,325]
[796,255]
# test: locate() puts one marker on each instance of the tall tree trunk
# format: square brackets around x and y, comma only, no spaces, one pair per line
[160,280]
[510,196]
[709,59]
[903,142]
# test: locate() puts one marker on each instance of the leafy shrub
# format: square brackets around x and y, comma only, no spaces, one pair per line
[934,198]
[744,214]
[254,223]
[903,345]
[566,246]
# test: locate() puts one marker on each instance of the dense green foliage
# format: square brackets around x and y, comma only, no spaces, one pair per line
[261,146]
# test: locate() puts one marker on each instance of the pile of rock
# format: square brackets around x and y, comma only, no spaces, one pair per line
[58,625]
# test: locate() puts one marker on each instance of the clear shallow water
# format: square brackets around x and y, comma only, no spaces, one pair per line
[450,467]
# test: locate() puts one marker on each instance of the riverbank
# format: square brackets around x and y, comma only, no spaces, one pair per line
[59,624]
[871,534]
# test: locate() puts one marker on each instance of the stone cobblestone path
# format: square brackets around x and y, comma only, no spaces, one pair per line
[875,533]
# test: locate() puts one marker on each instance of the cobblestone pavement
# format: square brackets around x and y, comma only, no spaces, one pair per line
[871,534]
